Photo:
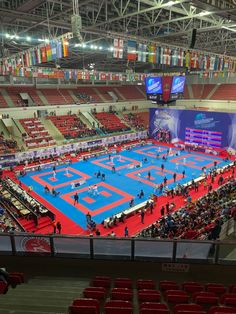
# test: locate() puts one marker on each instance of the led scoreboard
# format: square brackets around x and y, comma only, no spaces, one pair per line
[203,137]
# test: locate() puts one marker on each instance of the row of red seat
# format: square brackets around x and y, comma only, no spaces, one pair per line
[110,121]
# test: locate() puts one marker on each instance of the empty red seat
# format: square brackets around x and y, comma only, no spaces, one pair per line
[118,307]
[168,285]
[205,298]
[3,287]
[232,288]
[123,283]
[82,309]
[153,308]
[221,309]
[150,295]
[121,294]
[191,287]
[101,281]
[176,296]
[228,299]
[97,293]
[217,288]
[21,276]
[145,284]
[86,306]
[179,308]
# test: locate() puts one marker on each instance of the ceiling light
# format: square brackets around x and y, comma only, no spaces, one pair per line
[17,37]
[46,40]
[91,46]
[7,36]
[204,13]
[83,45]
[28,38]
[100,48]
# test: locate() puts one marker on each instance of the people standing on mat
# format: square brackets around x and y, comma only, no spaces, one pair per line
[131,203]
[174,177]
[183,173]
[76,198]
[46,189]
[162,167]
[113,169]
[67,172]
[184,161]
[149,175]
[165,180]
[103,176]
[141,194]
[54,174]
[176,166]
[98,174]
[95,190]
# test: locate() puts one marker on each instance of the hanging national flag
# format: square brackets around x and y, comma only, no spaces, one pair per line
[187,59]
[152,54]
[181,58]
[174,56]
[43,54]
[161,55]
[38,55]
[158,55]
[65,47]
[167,56]
[33,56]
[131,50]
[118,48]
[59,49]
[142,53]
[212,63]
[194,60]
[54,50]
[48,52]
[226,64]
[231,65]
[216,65]
[234,66]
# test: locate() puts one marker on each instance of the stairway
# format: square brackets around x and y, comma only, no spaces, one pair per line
[212,92]
[42,97]
[7,98]
[103,99]
[52,130]
[42,295]
[190,91]
[76,100]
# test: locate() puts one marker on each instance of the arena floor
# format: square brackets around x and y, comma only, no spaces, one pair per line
[119,187]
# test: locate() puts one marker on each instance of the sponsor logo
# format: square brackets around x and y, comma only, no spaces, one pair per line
[36,245]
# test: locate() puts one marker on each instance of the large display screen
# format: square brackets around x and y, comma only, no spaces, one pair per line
[203,137]
[178,84]
[212,129]
[153,85]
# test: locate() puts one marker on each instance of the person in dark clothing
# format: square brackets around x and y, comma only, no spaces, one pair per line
[174,177]
[162,211]
[76,198]
[142,216]
[59,227]
[183,173]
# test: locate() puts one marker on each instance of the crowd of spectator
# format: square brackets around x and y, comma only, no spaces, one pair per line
[7,145]
[7,222]
[198,220]
[135,122]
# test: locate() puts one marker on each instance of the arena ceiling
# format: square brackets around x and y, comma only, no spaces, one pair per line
[163,21]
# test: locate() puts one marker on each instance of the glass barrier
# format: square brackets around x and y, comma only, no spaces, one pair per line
[227,253]
[215,252]
[198,251]
[5,245]
[153,249]
[76,247]
[111,248]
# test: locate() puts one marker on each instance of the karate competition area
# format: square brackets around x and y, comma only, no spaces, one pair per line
[120,181]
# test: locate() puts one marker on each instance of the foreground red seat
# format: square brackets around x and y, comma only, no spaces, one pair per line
[191,287]
[101,281]
[118,307]
[153,308]
[84,306]
[123,283]
[205,298]
[3,287]
[145,284]
[221,309]
[21,276]
[124,294]
[228,299]
[217,288]
[168,285]
[176,296]
[97,293]
[180,308]
[149,295]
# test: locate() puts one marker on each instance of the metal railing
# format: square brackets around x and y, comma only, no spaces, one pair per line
[109,248]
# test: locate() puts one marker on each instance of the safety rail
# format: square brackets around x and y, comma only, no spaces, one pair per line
[109,248]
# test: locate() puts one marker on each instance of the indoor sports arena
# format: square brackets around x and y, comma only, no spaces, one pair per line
[117,156]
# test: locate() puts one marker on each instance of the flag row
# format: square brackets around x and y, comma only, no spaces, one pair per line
[190,59]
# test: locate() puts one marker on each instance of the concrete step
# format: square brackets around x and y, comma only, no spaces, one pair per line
[26,311]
